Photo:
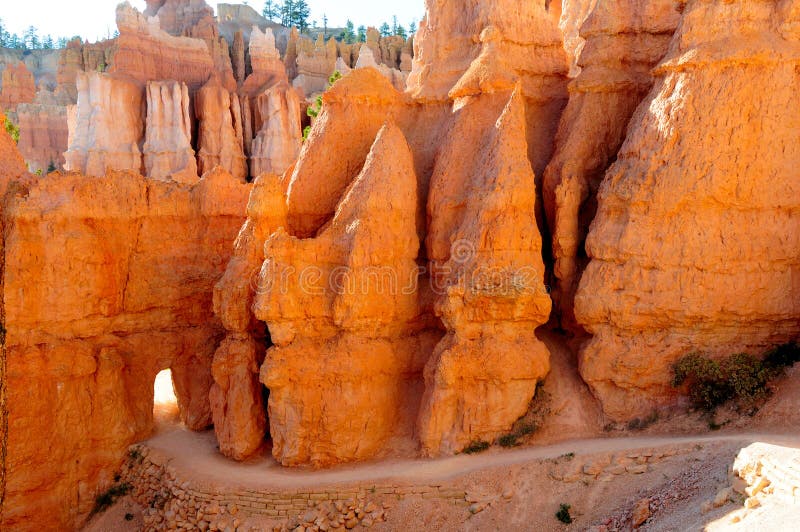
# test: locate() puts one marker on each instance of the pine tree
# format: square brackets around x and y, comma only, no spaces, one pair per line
[394,25]
[412,28]
[47,43]
[349,32]
[324,26]
[362,34]
[287,13]
[385,30]
[31,38]
[401,31]
[301,14]
[271,10]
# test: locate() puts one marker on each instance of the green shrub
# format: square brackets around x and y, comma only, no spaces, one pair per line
[12,129]
[741,377]
[476,447]
[512,439]
[563,514]
[315,109]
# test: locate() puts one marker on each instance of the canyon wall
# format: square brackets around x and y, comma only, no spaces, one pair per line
[695,244]
[445,355]
[106,281]
[624,40]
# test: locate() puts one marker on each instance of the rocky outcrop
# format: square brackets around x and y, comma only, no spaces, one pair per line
[366,59]
[17,86]
[238,58]
[43,135]
[106,282]
[625,39]
[168,152]
[12,165]
[315,64]
[349,346]
[80,57]
[319,180]
[220,137]
[450,63]
[278,143]
[145,52]
[693,246]
[106,127]
[463,345]
[264,56]
[237,401]
[180,17]
[485,250]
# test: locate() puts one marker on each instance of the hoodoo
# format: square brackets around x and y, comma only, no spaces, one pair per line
[564,232]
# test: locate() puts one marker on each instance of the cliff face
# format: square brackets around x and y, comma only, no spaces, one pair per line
[17,86]
[145,52]
[624,40]
[106,281]
[106,126]
[694,243]
[422,354]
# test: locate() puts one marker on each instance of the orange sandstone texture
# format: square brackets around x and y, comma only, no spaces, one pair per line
[43,135]
[625,39]
[106,126]
[237,402]
[106,281]
[483,375]
[346,336]
[17,86]
[695,243]
[220,136]
[355,222]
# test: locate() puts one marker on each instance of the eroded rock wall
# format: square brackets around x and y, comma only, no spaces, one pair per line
[695,243]
[106,281]
[624,40]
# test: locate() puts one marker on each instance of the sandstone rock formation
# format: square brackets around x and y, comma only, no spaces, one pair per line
[366,58]
[220,136]
[315,64]
[450,63]
[278,143]
[594,124]
[17,86]
[43,135]
[370,346]
[106,281]
[81,57]
[106,126]
[179,17]
[168,152]
[693,247]
[346,346]
[12,165]
[483,374]
[145,52]
[236,398]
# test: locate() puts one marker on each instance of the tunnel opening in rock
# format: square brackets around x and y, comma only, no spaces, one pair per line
[165,401]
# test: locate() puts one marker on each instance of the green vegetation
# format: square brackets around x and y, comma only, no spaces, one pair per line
[316,108]
[477,446]
[30,40]
[512,439]
[12,129]
[296,13]
[110,496]
[741,377]
[563,514]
